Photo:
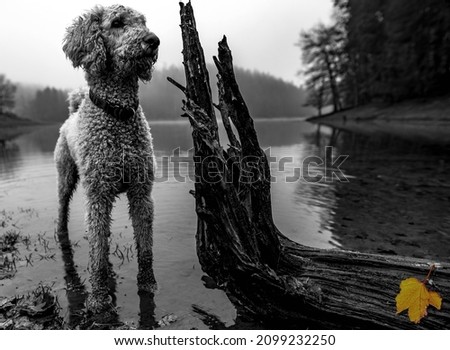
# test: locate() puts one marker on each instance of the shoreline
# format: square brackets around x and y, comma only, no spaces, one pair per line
[417,120]
[12,126]
[10,120]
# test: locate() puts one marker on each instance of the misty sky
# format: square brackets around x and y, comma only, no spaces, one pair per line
[261,34]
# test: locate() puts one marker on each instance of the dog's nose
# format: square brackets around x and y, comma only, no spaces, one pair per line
[152,41]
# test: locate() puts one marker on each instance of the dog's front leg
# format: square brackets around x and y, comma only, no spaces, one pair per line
[99,204]
[141,213]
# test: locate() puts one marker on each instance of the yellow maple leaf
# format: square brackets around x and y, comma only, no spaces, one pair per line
[415,296]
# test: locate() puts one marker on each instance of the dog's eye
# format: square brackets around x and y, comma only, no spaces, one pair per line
[117,23]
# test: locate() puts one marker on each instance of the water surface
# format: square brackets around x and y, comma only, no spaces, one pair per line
[395,201]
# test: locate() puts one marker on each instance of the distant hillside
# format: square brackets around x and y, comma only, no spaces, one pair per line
[266,96]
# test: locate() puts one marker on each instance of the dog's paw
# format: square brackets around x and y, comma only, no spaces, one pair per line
[100,304]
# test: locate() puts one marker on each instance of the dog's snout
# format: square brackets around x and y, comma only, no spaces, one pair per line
[152,41]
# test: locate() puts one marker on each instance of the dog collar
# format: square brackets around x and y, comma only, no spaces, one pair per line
[121,113]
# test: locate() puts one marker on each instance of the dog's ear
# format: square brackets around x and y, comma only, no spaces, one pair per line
[84,44]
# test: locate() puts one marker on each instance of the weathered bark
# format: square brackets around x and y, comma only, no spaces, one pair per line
[280,282]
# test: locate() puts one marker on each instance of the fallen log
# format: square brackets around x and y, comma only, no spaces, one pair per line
[282,283]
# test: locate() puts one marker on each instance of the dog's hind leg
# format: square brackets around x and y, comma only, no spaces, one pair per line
[141,213]
[67,182]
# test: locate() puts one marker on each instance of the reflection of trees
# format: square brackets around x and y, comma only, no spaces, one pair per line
[318,195]
[40,139]
[282,133]
[9,159]
[10,133]
[395,195]
[323,136]
[12,146]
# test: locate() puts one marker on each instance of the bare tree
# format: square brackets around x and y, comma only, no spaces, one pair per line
[321,49]
[318,92]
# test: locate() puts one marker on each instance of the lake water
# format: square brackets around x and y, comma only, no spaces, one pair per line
[395,200]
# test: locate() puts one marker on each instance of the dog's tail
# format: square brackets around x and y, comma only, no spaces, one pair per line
[75,98]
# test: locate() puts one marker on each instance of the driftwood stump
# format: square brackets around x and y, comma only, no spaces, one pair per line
[282,283]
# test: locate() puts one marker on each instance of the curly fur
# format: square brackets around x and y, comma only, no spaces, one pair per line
[109,155]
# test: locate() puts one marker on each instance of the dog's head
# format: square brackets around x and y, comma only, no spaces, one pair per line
[112,39]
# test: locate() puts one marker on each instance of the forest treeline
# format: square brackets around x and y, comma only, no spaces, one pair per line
[267,96]
[7,93]
[378,50]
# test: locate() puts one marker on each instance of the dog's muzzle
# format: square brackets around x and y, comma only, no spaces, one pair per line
[150,44]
